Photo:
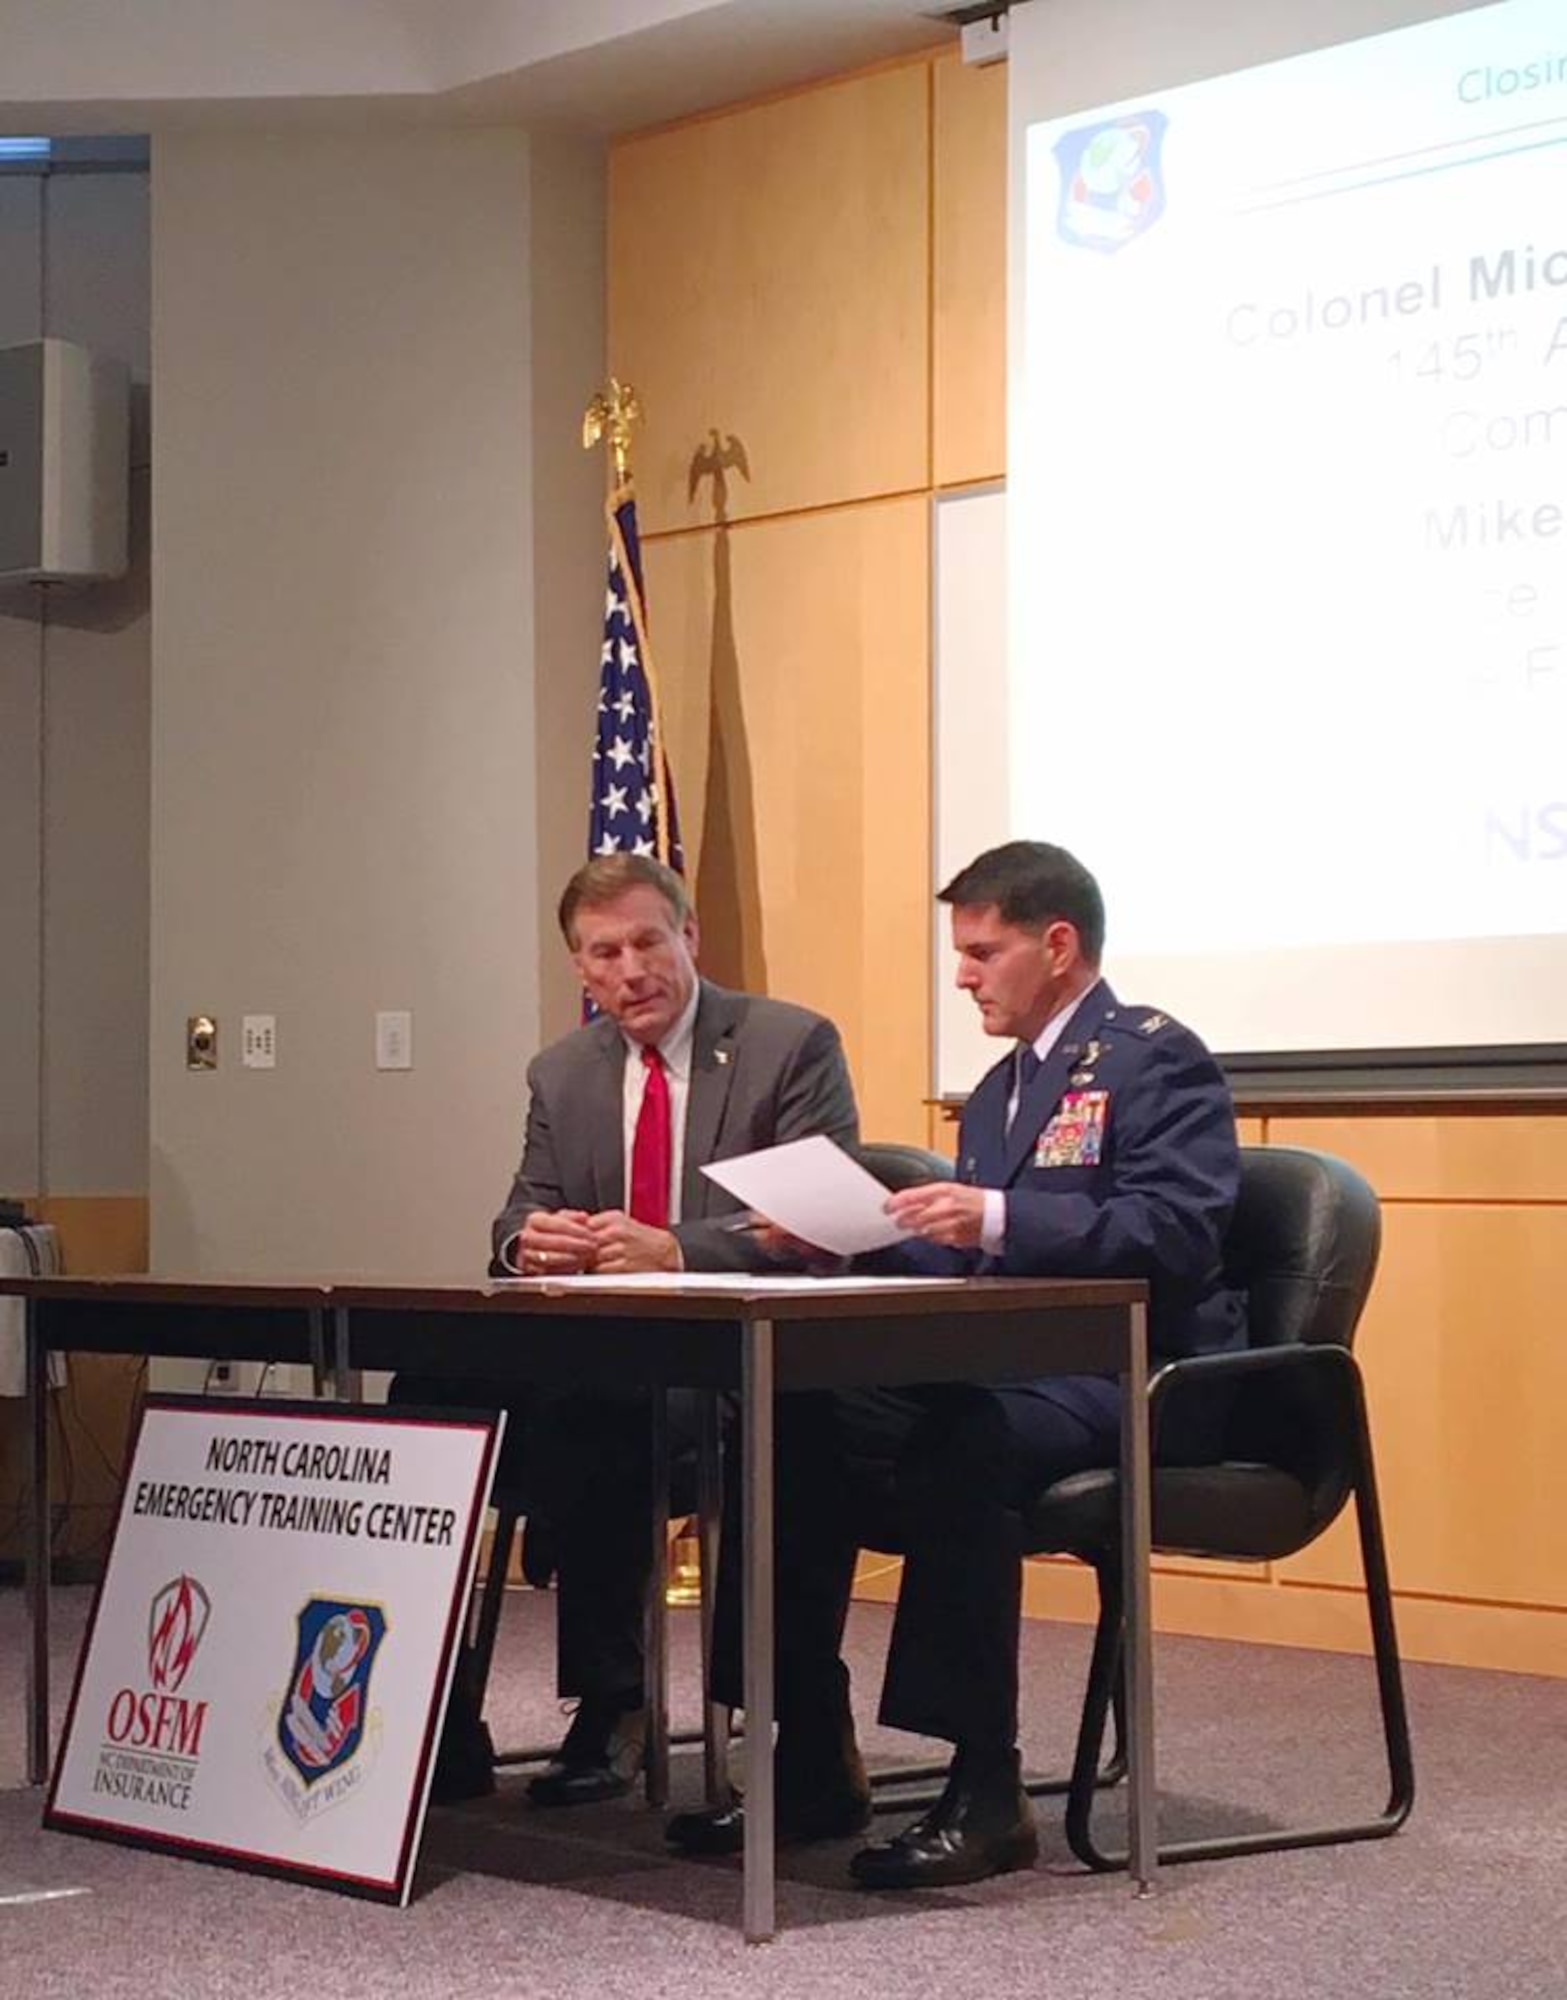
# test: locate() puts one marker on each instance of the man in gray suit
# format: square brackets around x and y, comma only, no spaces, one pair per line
[622,1115]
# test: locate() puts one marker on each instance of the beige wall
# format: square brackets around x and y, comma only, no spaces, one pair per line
[74,671]
[353,567]
[566,301]
[75,668]
[819,281]
[375,686]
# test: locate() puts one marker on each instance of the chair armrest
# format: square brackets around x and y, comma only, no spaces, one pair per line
[1245,1363]
[1290,1405]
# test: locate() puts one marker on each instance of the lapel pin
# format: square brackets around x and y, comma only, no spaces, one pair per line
[721,1057]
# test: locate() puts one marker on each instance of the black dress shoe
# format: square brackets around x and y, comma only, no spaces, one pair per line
[465,1762]
[821,1791]
[709,1830]
[603,1753]
[975,1830]
[829,1815]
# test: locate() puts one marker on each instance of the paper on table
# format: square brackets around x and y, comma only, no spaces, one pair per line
[738,1282]
[814,1190]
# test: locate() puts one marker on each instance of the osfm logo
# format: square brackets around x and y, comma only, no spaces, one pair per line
[161,1718]
[176,1625]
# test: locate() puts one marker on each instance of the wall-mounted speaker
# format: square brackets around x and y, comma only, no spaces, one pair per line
[64,463]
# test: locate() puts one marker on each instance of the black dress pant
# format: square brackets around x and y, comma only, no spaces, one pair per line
[943,1475]
[583,1461]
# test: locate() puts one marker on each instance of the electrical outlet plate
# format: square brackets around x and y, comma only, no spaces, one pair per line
[258,1041]
[201,1041]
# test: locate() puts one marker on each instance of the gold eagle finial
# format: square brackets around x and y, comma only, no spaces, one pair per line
[612,413]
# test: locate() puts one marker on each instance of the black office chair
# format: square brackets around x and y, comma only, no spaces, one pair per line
[1295,1445]
[896,1165]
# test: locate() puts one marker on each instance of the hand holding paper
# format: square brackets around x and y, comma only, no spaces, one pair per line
[815,1191]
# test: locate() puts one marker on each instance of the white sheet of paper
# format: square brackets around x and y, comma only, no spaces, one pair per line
[814,1190]
[738,1282]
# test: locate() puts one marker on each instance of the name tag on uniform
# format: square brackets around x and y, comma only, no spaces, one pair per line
[1075,1136]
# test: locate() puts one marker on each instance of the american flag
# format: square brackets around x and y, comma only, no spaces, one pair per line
[633,809]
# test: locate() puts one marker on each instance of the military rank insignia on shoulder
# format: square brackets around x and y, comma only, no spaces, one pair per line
[1152,1023]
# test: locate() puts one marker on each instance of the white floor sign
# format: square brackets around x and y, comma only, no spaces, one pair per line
[269,1656]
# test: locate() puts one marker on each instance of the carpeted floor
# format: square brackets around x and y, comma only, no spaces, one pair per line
[1467,1901]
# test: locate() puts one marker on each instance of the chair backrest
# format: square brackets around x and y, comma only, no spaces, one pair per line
[898,1166]
[1303,1244]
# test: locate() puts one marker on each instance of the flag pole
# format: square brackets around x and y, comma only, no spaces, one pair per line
[610,418]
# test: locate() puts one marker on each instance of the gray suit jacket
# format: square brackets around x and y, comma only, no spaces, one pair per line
[762,1072]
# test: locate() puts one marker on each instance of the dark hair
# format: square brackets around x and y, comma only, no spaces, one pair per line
[1033,884]
[608,877]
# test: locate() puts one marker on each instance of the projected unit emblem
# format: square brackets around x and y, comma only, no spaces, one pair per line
[1112,181]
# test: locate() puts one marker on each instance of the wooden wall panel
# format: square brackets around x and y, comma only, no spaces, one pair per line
[100,1234]
[1466,1156]
[1466,1374]
[769,281]
[1227,1607]
[969,273]
[801,698]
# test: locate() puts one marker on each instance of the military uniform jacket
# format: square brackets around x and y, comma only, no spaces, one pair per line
[1120,1162]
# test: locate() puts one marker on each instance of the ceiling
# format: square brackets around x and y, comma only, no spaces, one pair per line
[592,66]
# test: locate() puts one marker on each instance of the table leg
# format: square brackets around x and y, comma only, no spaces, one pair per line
[37,1555]
[709,1502]
[345,1384]
[757,1529]
[655,1645]
[1136,1533]
[322,1373]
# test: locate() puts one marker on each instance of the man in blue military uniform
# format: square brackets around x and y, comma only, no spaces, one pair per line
[1101,1145]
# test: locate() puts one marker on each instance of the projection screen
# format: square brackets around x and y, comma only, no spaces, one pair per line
[1286,656]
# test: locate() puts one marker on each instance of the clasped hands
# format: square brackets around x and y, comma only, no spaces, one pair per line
[564,1242]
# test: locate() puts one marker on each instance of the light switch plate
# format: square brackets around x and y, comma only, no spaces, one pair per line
[394,1040]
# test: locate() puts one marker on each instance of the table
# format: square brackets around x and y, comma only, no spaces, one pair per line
[755,1337]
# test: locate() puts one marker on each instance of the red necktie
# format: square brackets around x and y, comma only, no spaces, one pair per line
[651,1148]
